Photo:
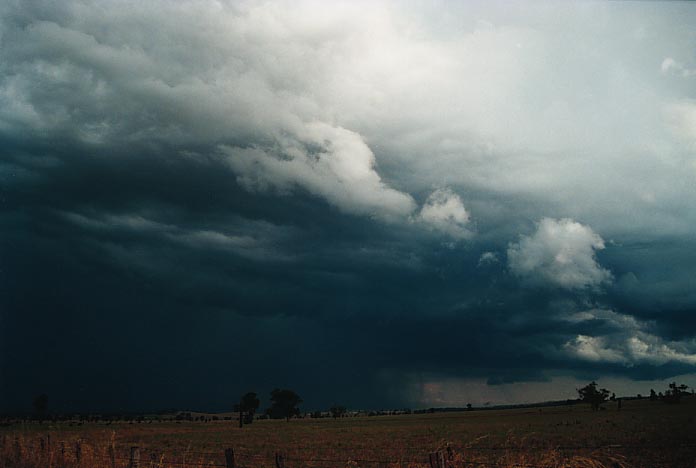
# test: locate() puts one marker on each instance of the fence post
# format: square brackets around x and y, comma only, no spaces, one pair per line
[134,457]
[112,455]
[279,461]
[78,451]
[18,449]
[437,459]
[229,458]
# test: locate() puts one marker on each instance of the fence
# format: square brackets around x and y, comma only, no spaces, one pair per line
[83,453]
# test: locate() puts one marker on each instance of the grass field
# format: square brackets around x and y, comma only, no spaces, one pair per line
[641,434]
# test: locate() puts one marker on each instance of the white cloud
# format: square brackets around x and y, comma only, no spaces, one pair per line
[516,102]
[445,212]
[203,78]
[631,342]
[560,253]
[669,65]
[328,161]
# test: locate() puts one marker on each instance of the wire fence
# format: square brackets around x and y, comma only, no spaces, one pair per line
[81,452]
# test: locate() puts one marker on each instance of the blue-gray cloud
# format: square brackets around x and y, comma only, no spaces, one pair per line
[315,188]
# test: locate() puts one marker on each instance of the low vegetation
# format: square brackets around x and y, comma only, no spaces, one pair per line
[643,433]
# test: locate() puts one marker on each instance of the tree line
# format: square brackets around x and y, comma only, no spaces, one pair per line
[285,405]
[595,396]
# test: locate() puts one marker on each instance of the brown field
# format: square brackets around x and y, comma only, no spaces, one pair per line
[641,434]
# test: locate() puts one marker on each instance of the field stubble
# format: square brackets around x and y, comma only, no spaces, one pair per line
[642,434]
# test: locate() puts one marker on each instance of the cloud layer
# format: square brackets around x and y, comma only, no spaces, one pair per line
[510,185]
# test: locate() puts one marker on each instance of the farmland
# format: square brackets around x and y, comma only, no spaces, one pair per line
[641,434]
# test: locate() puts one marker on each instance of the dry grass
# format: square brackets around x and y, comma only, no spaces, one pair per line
[649,435]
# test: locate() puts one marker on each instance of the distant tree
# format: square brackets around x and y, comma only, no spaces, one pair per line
[468,407]
[337,411]
[595,397]
[675,392]
[248,404]
[284,404]
[653,395]
[40,405]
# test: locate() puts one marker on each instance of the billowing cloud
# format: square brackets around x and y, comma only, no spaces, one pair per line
[629,342]
[444,211]
[63,77]
[331,162]
[560,253]
[200,167]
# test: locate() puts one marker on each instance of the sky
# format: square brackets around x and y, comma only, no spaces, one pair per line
[375,204]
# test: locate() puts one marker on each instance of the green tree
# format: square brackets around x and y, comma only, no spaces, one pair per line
[675,392]
[337,411]
[592,395]
[284,404]
[248,404]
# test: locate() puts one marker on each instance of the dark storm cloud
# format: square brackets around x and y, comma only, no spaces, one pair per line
[201,199]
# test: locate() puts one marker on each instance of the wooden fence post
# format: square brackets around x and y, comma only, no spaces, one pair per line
[134,457]
[78,452]
[437,459]
[229,458]
[18,449]
[112,455]
[279,461]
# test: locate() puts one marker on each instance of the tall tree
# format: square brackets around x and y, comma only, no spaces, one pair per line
[337,411]
[248,404]
[284,404]
[675,392]
[592,395]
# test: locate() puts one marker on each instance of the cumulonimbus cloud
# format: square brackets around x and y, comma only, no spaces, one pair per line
[230,88]
[560,253]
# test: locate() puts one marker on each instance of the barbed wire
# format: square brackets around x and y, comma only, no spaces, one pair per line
[73,448]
